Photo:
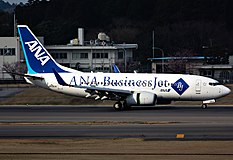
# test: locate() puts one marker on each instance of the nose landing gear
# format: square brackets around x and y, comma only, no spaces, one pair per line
[205,103]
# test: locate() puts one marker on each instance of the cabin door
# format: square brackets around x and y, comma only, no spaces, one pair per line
[198,86]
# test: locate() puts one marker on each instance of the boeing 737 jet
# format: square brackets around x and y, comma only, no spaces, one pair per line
[127,89]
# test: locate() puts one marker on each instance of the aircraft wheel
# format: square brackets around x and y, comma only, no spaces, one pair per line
[117,106]
[204,106]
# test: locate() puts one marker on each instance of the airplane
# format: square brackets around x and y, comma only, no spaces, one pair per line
[127,89]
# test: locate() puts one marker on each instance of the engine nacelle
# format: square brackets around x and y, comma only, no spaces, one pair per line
[143,98]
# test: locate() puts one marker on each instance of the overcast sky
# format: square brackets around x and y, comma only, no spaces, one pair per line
[16,1]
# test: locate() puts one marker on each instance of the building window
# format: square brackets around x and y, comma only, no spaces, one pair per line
[225,75]
[84,55]
[105,69]
[7,51]
[100,55]
[75,56]
[97,55]
[104,55]
[54,55]
[63,55]
[207,73]
[13,51]
[120,55]
[59,55]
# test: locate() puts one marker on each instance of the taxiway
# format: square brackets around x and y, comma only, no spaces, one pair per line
[163,123]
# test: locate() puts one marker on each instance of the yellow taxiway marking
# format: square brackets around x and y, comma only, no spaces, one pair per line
[180,136]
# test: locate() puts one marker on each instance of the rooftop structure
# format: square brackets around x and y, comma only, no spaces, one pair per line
[195,65]
[93,55]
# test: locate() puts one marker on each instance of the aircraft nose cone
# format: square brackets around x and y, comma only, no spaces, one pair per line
[226,91]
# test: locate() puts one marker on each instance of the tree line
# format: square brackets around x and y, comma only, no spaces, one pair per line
[178,24]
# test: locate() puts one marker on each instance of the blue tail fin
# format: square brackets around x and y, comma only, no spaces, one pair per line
[37,58]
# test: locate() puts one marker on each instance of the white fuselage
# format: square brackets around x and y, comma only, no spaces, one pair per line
[165,86]
[131,88]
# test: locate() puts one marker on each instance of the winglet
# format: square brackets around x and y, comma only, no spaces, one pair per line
[116,69]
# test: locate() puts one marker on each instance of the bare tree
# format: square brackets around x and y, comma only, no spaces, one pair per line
[179,61]
[15,67]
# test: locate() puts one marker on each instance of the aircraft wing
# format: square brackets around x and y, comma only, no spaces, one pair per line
[100,92]
[106,93]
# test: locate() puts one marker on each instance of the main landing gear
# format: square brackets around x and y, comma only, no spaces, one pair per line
[204,106]
[118,106]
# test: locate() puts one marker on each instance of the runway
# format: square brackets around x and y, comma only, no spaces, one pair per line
[162,123]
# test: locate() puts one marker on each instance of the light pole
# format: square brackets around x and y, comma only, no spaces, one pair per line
[162,57]
[153,39]
[125,58]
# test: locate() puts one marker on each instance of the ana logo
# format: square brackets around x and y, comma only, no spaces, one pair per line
[39,53]
[165,90]
[180,86]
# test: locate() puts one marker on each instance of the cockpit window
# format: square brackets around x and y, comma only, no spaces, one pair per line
[214,84]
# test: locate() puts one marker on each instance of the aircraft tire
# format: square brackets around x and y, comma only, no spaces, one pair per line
[204,106]
[117,106]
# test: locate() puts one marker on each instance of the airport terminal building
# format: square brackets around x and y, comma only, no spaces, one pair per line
[93,58]
[9,53]
[96,55]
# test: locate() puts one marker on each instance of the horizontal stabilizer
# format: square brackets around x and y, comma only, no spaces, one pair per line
[26,75]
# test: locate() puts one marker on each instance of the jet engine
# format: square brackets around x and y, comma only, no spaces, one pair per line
[143,98]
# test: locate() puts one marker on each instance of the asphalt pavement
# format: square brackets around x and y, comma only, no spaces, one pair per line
[163,122]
